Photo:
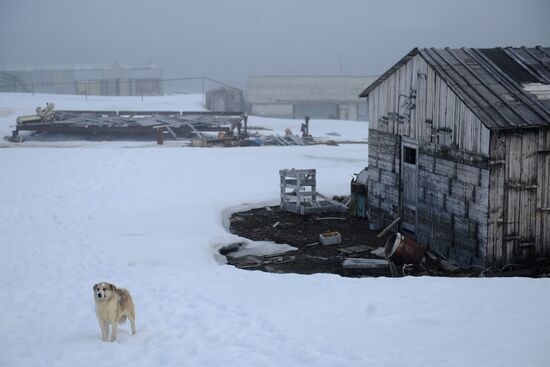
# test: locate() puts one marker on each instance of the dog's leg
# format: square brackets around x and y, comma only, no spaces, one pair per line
[104,330]
[132,319]
[114,328]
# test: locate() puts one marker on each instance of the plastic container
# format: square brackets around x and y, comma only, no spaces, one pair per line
[330,238]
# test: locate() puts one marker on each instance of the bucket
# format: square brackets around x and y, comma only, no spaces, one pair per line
[403,250]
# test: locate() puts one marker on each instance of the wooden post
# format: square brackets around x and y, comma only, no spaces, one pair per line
[245,119]
[160,136]
[305,127]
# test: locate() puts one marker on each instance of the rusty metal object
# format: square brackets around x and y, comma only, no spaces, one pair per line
[403,250]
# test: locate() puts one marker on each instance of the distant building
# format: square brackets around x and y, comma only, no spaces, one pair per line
[326,97]
[104,80]
[225,99]
[459,150]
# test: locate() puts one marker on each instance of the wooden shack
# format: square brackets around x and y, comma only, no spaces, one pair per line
[459,148]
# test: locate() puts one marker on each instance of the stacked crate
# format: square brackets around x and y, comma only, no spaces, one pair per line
[299,193]
[298,189]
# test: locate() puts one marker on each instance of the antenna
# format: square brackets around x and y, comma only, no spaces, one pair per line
[340,64]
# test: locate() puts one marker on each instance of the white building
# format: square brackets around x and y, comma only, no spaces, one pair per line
[330,97]
[108,80]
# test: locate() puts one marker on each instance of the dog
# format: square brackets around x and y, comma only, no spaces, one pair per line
[113,306]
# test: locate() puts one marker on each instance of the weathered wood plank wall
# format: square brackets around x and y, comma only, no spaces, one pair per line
[383,175]
[519,201]
[453,171]
[542,225]
[416,103]
[483,197]
[453,203]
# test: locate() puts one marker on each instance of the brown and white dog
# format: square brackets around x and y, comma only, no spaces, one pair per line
[113,306]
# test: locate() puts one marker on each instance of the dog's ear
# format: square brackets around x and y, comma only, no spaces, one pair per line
[95,286]
[113,288]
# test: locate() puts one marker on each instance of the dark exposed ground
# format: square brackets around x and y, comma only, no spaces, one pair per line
[273,224]
[301,231]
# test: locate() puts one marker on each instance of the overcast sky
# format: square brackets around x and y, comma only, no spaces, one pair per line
[229,40]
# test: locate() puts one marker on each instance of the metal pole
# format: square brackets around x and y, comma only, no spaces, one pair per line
[203,96]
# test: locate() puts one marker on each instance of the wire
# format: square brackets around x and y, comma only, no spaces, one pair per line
[408,268]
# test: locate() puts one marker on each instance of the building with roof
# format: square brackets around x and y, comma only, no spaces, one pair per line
[327,97]
[106,80]
[459,149]
[225,99]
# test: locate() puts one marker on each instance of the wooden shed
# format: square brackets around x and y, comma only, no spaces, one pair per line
[459,148]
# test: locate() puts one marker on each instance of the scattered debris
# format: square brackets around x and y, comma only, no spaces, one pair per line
[330,218]
[448,266]
[311,244]
[233,247]
[283,140]
[371,267]
[353,250]
[278,260]
[308,256]
[380,252]
[388,228]
[195,128]
[247,262]
[330,238]
[144,124]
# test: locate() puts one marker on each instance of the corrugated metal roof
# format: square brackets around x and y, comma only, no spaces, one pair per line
[491,82]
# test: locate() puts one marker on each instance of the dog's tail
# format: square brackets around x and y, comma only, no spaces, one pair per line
[122,319]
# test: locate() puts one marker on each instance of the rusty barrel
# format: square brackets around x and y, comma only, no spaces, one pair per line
[403,250]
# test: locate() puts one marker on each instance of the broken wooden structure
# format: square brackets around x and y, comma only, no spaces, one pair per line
[299,193]
[134,124]
[288,139]
[459,148]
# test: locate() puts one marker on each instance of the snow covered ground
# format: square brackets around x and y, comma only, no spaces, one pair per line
[16,104]
[150,218]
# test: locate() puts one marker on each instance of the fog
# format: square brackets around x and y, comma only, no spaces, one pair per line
[229,40]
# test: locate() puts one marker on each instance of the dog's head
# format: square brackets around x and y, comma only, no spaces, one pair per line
[103,291]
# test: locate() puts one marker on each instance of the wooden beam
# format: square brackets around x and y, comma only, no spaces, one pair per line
[387,229]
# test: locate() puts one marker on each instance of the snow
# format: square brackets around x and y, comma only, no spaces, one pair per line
[151,218]
[17,104]
[320,129]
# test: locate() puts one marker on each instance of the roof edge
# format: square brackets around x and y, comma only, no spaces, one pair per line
[389,72]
